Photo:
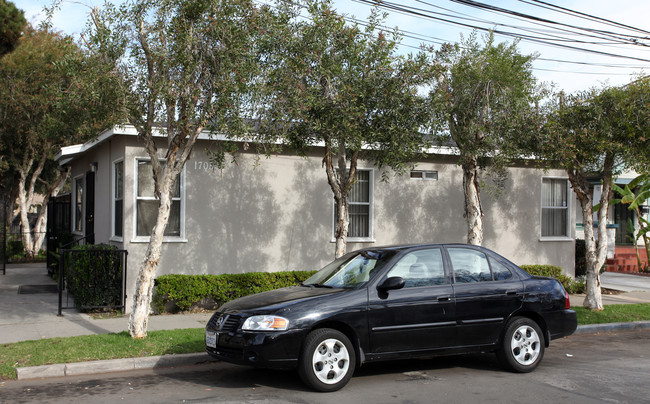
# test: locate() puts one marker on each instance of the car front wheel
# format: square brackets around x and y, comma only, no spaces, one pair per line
[522,345]
[327,360]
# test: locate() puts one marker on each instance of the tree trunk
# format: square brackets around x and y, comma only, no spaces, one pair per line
[340,185]
[139,319]
[26,196]
[41,222]
[24,203]
[473,208]
[342,225]
[593,299]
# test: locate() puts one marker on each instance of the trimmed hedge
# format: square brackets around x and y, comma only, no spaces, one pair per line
[94,276]
[184,291]
[571,285]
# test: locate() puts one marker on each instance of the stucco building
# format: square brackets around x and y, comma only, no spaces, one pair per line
[277,213]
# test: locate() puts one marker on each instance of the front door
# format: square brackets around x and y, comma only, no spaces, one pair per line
[90,207]
[419,316]
[625,220]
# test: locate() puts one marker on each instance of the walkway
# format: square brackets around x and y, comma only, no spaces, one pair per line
[34,316]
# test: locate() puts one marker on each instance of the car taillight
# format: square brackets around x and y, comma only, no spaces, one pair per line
[567,301]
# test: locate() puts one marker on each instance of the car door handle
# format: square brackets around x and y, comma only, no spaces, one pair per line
[444,298]
[511,293]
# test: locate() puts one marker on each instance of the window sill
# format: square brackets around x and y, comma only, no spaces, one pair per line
[138,240]
[542,239]
[116,239]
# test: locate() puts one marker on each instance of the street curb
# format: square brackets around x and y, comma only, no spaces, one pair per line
[112,365]
[168,361]
[591,328]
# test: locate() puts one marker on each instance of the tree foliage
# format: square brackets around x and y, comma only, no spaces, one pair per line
[188,66]
[48,99]
[343,86]
[12,24]
[484,98]
[597,134]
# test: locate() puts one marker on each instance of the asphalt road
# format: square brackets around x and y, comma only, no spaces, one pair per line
[587,368]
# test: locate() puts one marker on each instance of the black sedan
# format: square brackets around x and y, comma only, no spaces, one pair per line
[394,303]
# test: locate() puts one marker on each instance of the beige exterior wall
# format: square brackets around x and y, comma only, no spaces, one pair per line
[102,156]
[276,214]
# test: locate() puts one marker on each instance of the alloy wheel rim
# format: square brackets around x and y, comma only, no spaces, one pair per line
[525,345]
[331,361]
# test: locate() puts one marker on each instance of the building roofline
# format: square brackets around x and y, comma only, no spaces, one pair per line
[68,153]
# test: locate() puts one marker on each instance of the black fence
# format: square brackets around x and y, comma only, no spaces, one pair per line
[58,231]
[3,233]
[92,278]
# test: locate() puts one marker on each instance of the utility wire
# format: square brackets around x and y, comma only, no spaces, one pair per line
[428,40]
[543,41]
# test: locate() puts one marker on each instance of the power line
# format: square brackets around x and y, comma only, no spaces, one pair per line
[429,40]
[586,16]
[430,15]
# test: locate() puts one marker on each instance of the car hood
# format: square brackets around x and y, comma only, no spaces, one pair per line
[277,299]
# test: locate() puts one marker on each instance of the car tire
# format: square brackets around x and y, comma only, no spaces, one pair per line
[327,360]
[522,345]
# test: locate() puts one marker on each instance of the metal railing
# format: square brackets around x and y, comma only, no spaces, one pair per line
[62,241]
[92,279]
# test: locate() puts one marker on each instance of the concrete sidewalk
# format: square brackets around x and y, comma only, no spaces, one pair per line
[26,317]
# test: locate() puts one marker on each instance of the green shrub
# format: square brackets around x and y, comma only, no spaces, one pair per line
[15,248]
[94,276]
[187,290]
[571,285]
[543,270]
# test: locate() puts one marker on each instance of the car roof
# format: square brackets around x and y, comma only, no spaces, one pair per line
[401,247]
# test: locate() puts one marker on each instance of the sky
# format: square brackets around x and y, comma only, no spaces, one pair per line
[584,51]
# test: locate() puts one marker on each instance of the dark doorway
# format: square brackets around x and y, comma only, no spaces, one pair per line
[90,207]
[625,219]
[59,225]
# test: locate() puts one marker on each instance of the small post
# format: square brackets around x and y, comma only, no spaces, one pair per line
[4,234]
[61,270]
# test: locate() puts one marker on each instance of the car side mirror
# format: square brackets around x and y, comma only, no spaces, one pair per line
[392,283]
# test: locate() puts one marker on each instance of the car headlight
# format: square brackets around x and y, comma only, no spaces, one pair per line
[265,323]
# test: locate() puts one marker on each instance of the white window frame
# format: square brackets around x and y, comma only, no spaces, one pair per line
[75,180]
[568,208]
[426,175]
[166,239]
[115,237]
[371,211]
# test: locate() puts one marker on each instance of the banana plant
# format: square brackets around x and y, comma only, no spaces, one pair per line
[635,194]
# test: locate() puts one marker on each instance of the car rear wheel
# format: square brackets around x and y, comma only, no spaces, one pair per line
[327,360]
[522,345]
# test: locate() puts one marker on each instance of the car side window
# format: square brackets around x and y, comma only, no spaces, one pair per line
[499,271]
[420,268]
[469,265]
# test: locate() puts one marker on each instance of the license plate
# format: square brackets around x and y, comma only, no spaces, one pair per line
[211,339]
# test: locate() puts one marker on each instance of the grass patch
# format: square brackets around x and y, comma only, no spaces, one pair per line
[121,345]
[615,313]
[97,347]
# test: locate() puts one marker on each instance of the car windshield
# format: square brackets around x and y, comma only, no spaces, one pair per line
[351,270]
